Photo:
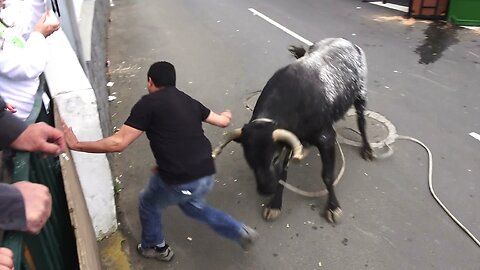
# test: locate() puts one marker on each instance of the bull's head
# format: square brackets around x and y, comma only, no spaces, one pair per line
[262,145]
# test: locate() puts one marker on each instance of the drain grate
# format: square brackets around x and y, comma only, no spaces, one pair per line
[380,131]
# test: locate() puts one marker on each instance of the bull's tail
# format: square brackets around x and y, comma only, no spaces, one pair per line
[297,52]
[362,71]
[362,59]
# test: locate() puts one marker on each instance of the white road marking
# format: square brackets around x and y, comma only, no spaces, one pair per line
[475,135]
[391,6]
[474,54]
[281,27]
[433,82]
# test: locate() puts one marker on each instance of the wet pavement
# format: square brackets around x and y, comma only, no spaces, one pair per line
[423,76]
[439,36]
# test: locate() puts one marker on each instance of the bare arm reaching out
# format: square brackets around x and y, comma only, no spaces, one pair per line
[220,120]
[115,143]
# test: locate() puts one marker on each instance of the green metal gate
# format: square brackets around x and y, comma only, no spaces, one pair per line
[54,248]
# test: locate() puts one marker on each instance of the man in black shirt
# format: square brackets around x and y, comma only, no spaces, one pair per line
[172,121]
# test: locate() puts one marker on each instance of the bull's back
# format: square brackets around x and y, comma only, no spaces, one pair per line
[316,89]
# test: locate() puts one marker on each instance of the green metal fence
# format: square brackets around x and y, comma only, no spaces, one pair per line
[55,247]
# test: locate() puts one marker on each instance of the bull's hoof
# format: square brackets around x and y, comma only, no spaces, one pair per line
[270,214]
[334,216]
[367,153]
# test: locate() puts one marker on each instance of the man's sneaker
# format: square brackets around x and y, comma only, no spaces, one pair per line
[248,238]
[160,253]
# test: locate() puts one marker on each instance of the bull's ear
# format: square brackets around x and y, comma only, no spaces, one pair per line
[297,52]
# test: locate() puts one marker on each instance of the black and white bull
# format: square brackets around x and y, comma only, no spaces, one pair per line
[298,106]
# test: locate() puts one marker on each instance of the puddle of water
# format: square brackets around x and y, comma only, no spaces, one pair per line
[438,37]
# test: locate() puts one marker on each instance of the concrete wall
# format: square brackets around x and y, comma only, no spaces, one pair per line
[77,105]
[76,75]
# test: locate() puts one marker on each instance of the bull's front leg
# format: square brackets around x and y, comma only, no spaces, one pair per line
[273,210]
[326,146]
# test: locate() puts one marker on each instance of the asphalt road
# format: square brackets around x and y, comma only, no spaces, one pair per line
[423,76]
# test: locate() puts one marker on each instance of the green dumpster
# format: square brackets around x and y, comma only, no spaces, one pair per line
[464,12]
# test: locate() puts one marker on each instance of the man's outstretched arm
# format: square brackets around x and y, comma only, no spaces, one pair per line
[220,120]
[115,143]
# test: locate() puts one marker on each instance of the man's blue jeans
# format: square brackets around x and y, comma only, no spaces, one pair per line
[190,198]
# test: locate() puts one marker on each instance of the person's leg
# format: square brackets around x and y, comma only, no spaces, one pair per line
[195,206]
[152,200]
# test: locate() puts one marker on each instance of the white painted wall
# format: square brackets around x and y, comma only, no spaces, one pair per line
[77,5]
[75,99]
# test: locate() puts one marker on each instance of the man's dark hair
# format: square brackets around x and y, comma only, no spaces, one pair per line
[162,74]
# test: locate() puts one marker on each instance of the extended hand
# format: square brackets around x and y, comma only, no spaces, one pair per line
[70,137]
[38,204]
[227,114]
[40,137]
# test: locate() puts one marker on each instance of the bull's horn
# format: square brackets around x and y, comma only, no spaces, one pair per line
[231,135]
[289,138]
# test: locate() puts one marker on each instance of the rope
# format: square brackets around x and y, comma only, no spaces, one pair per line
[432,191]
[324,192]
[390,139]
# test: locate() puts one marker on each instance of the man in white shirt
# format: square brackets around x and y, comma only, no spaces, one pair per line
[23,54]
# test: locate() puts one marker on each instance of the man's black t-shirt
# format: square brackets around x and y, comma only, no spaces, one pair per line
[172,121]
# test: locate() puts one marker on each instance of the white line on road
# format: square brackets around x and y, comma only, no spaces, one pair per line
[391,6]
[281,27]
[475,135]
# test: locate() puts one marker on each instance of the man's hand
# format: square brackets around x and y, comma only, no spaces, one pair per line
[44,27]
[220,120]
[227,114]
[38,204]
[70,138]
[6,259]
[40,137]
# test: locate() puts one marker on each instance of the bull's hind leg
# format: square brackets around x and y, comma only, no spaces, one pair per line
[274,208]
[366,150]
[326,146]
